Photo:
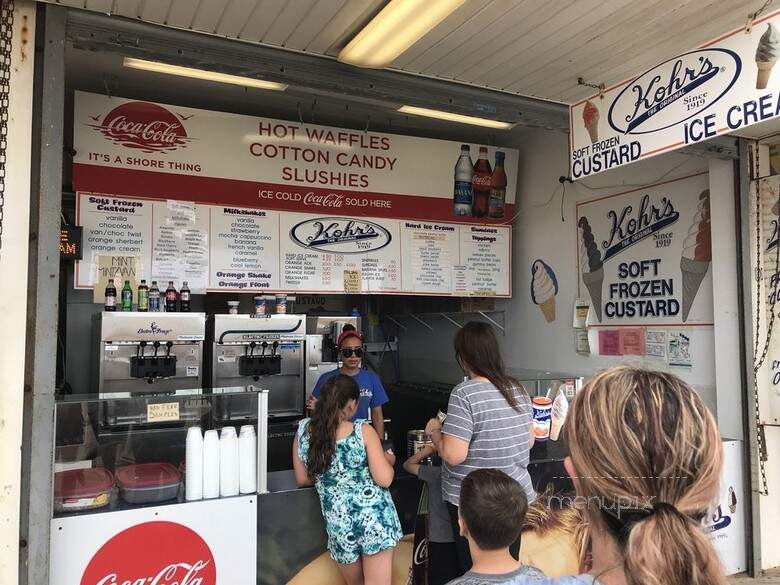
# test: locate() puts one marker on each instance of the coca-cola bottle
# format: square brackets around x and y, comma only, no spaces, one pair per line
[498,188]
[463,197]
[170,298]
[481,184]
[184,298]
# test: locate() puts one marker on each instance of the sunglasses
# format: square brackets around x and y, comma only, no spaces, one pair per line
[348,352]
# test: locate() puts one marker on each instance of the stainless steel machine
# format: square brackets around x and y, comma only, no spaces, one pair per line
[147,353]
[321,351]
[265,351]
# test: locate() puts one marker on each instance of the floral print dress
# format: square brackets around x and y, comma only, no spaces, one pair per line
[360,517]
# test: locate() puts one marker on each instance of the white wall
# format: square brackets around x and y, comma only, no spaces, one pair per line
[13,265]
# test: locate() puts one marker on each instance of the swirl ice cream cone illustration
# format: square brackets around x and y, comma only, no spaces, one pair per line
[766,55]
[590,117]
[697,253]
[732,501]
[560,409]
[590,264]
[544,287]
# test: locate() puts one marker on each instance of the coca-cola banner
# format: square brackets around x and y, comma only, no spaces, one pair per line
[721,87]
[143,149]
[644,255]
[225,248]
[166,545]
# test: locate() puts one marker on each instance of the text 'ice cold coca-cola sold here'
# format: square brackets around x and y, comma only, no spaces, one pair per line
[482,184]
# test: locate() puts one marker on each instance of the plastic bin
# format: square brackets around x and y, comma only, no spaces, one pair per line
[82,489]
[147,483]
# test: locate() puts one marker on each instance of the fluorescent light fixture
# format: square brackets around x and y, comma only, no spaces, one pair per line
[450,117]
[397,27]
[157,67]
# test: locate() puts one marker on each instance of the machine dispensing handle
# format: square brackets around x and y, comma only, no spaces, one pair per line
[252,347]
[168,346]
[273,348]
[156,345]
[264,345]
[139,351]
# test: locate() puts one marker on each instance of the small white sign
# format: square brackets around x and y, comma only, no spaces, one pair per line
[192,371]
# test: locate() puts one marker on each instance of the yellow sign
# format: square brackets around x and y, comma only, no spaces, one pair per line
[353,283]
[166,411]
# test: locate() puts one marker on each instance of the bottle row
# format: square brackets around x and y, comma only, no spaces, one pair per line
[149,298]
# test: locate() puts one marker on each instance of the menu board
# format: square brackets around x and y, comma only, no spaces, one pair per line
[218,248]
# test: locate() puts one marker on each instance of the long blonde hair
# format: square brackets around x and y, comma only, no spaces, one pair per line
[648,458]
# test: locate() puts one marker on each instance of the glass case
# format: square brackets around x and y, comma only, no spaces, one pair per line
[543,383]
[125,452]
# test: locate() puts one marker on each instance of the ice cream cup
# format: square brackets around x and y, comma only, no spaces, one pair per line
[542,414]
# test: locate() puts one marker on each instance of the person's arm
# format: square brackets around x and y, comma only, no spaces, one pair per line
[378,420]
[301,476]
[412,465]
[378,465]
[453,450]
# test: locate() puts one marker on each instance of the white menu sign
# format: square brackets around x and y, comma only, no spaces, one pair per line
[221,248]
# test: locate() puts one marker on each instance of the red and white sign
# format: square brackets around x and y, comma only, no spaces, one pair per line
[142,149]
[178,544]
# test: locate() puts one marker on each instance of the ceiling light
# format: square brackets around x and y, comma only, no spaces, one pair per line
[450,117]
[397,27]
[157,67]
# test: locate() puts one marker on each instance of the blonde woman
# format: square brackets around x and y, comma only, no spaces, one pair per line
[645,460]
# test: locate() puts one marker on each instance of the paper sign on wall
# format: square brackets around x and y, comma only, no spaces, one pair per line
[680,349]
[632,341]
[609,342]
[120,268]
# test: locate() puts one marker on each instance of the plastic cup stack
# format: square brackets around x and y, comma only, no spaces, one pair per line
[228,462]
[210,470]
[194,465]
[247,460]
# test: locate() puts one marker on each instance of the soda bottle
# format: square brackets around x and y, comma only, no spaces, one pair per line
[127,297]
[463,196]
[154,297]
[481,184]
[498,188]
[143,296]
[184,297]
[170,298]
[110,302]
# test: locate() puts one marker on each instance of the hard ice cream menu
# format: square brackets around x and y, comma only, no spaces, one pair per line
[223,248]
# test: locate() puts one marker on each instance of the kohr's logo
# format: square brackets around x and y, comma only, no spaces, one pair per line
[142,125]
[715,521]
[153,329]
[674,91]
[340,235]
[629,227]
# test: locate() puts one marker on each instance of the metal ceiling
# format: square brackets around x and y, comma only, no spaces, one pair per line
[528,47]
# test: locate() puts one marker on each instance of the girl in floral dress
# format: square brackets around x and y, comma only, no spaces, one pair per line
[345,462]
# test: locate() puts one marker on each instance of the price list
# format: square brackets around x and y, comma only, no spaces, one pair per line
[430,251]
[180,244]
[484,252]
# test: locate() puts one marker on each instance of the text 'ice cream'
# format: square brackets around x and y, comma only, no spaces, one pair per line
[697,253]
[544,287]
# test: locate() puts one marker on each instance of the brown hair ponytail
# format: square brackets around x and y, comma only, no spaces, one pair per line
[335,395]
[476,348]
[648,457]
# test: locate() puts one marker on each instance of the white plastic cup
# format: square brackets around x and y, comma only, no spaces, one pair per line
[281,304]
[229,479]
[247,460]
[233,307]
[194,465]
[211,465]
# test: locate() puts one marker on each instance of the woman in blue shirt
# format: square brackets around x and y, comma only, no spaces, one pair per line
[372,393]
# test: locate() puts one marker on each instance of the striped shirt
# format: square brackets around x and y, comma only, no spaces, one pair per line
[498,436]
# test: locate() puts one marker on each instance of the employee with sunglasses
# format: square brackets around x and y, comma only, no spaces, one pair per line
[372,393]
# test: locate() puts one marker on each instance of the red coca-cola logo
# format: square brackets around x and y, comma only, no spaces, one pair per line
[153,553]
[143,125]
[329,200]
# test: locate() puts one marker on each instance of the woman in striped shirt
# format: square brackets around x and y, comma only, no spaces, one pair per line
[488,425]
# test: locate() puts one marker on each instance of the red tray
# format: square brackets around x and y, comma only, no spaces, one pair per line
[147,475]
[76,483]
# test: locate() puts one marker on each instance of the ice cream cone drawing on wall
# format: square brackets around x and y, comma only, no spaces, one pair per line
[767,52]
[590,117]
[591,265]
[544,287]
[697,254]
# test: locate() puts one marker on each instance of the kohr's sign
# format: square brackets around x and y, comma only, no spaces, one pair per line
[722,87]
[340,235]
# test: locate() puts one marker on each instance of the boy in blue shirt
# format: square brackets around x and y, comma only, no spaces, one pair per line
[372,393]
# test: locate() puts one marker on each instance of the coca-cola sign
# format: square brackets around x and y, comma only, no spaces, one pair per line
[144,126]
[153,553]
[340,235]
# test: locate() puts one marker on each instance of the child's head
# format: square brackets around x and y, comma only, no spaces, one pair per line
[492,509]
[338,401]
